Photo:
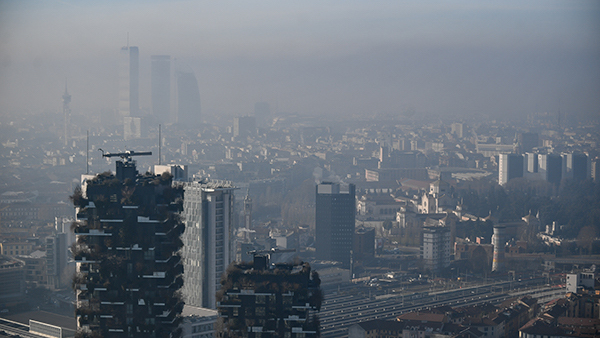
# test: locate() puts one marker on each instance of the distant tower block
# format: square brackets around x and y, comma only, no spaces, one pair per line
[248,212]
[498,241]
[129,81]
[161,87]
[66,98]
[262,113]
[188,99]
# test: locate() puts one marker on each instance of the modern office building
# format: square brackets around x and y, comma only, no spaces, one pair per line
[207,251]
[66,98]
[509,166]
[436,248]
[364,243]
[263,300]
[335,221]
[161,87]
[129,81]
[129,268]
[243,127]
[188,99]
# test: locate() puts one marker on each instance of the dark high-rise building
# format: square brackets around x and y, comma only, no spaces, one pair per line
[509,166]
[550,167]
[364,243]
[207,251]
[129,81]
[129,269]
[66,114]
[575,166]
[528,141]
[188,99]
[334,222]
[263,300]
[161,87]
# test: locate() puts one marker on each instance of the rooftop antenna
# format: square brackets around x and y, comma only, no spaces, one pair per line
[127,40]
[87,153]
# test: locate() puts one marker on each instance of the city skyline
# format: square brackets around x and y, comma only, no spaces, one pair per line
[340,59]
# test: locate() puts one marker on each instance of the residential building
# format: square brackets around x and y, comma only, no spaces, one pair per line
[376,328]
[263,300]
[207,251]
[436,248]
[550,167]
[335,222]
[129,268]
[577,281]
[56,260]
[509,166]
[198,322]
[12,280]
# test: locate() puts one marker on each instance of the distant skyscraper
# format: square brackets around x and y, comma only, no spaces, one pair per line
[509,166]
[161,87]
[243,127]
[129,78]
[262,113]
[207,250]
[188,99]
[334,222]
[66,114]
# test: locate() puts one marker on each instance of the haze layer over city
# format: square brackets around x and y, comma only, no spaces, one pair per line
[337,58]
[299,169]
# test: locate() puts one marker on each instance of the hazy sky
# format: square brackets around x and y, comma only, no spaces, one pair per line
[312,57]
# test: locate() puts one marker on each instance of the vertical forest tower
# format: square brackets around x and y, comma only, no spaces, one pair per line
[129,270]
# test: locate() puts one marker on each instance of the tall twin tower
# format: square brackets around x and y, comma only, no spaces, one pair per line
[184,110]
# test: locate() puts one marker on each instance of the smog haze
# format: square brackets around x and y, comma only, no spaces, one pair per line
[337,58]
